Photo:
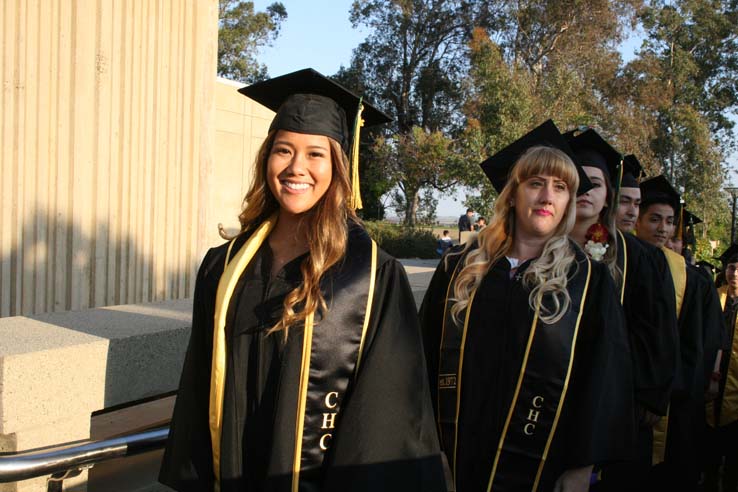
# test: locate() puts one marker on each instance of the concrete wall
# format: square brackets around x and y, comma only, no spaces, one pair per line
[241,126]
[106,148]
[56,369]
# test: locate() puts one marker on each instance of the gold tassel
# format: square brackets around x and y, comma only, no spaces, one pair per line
[355,198]
[681,221]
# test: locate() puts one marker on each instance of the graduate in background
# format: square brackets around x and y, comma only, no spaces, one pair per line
[528,357]
[629,196]
[722,413]
[304,370]
[677,436]
[645,291]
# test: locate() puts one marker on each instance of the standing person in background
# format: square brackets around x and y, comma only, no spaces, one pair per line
[528,358]
[677,436]
[304,370]
[465,222]
[722,413]
[481,224]
[645,291]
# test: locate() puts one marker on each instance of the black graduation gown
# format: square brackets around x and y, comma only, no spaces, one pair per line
[700,336]
[597,421]
[384,437]
[650,317]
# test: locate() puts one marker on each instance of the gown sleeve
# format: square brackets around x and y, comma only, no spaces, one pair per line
[598,418]
[387,439]
[650,312]
[713,327]
[187,463]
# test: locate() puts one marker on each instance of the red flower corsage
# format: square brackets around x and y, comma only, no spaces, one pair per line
[597,237]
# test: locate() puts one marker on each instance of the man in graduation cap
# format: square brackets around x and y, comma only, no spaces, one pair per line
[529,394]
[722,412]
[677,436]
[646,293]
[629,198]
[305,369]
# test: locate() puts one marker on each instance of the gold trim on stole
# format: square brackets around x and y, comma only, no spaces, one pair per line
[307,344]
[369,301]
[678,269]
[515,398]
[440,345]
[729,401]
[520,382]
[458,382]
[625,267]
[226,286]
[568,376]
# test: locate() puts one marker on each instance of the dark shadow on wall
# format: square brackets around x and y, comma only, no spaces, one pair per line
[107,267]
[146,342]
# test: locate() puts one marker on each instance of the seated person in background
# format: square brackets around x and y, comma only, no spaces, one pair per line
[444,243]
[481,224]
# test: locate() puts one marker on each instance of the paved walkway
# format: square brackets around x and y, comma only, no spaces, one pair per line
[419,273]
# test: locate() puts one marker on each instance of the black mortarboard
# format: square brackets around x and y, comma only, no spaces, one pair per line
[659,190]
[690,219]
[498,167]
[687,221]
[632,172]
[307,102]
[730,255]
[593,150]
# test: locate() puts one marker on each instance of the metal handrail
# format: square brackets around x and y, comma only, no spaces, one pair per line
[31,464]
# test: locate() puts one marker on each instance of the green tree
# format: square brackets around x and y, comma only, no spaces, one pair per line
[242,31]
[411,65]
[419,162]
[548,59]
[684,79]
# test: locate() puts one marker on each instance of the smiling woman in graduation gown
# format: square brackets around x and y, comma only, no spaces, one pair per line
[339,401]
[522,403]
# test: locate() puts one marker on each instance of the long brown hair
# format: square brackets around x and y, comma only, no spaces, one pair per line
[607,217]
[325,225]
[548,273]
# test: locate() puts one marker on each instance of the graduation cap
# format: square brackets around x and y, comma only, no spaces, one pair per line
[593,150]
[308,102]
[498,167]
[687,220]
[659,190]
[632,172]
[730,255]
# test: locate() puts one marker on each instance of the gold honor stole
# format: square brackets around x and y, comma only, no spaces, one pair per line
[539,395]
[331,348]
[727,411]
[678,268]
[623,264]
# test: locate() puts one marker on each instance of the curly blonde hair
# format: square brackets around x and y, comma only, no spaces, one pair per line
[548,274]
[325,225]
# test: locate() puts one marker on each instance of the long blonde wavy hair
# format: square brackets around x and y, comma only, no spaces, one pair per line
[547,275]
[325,225]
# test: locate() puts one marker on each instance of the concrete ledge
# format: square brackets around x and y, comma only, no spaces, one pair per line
[58,368]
